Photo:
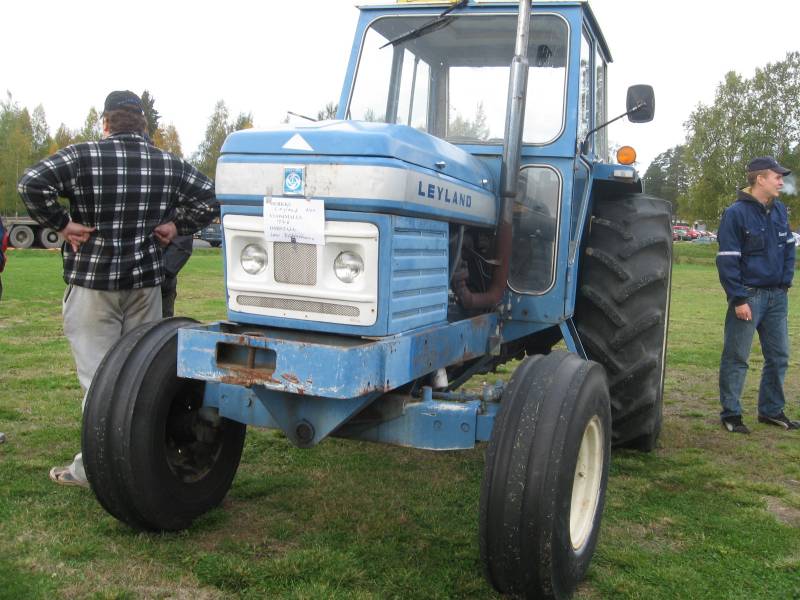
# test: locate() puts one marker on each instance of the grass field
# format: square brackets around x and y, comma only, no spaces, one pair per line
[707,515]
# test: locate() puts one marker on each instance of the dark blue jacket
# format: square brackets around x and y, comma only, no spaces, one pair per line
[756,247]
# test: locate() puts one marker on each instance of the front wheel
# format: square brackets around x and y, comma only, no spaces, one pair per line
[545,478]
[154,457]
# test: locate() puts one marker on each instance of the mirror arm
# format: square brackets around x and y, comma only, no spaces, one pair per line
[584,148]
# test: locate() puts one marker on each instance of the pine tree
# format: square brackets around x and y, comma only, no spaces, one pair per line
[150,113]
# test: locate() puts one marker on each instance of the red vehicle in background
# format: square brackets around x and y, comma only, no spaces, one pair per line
[680,233]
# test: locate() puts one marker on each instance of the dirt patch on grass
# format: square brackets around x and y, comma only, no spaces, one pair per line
[654,536]
[787,515]
[140,588]
[247,524]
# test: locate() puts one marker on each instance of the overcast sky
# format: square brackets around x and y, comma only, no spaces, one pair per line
[271,56]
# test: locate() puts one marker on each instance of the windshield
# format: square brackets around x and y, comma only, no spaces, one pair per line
[453,82]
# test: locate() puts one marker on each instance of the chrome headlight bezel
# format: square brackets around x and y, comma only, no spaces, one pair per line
[348,266]
[253,259]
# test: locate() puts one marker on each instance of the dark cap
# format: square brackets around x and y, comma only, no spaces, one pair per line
[762,163]
[123,100]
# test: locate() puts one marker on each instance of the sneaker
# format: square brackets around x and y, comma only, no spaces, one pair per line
[63,476]
[734,424]
[781,420]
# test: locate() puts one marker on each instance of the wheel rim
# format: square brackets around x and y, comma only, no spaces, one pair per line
[22,237]
[193,443]
[586,483]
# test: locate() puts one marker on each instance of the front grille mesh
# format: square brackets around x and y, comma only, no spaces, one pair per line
[309,306]
[295,263]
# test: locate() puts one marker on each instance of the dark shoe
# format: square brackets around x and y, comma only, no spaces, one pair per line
[781,420]
[734,424]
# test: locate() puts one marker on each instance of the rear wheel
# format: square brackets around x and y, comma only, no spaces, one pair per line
[50,238]
[154,458]
[622,310]
[21,236]
[545,477]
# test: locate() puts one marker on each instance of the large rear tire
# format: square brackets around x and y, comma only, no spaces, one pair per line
[153,458]
[545,478]
[21,236]
[622,310]
[50,238]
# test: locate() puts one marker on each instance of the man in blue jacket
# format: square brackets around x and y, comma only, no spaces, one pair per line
[756,264]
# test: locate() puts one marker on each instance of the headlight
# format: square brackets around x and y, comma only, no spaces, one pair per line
[253,259]
[348,266]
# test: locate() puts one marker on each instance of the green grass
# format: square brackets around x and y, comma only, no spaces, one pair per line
[691,253]
[707,515]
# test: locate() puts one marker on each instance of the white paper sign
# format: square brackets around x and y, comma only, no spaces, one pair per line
[295,220]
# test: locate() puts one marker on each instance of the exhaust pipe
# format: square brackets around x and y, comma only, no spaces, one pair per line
[509,175]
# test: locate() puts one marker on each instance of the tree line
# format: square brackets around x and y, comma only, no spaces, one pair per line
[751,117]
[25,138]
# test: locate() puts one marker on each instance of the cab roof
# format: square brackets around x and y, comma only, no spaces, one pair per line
[505,5]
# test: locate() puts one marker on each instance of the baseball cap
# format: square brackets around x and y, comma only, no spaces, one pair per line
[766,162]
[124,100]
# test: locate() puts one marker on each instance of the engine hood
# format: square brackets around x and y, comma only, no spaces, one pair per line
[363,139]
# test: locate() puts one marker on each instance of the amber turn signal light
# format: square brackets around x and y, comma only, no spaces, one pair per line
[626,155]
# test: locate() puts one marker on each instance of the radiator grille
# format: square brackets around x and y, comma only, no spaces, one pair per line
[322,308]
[295,263]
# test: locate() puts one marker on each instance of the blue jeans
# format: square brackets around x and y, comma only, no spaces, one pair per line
[770,314]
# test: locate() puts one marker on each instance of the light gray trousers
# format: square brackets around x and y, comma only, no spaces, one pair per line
[93,321]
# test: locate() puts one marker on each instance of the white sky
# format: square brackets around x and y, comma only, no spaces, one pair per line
[271,56]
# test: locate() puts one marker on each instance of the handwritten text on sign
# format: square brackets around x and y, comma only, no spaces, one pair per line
[295,220]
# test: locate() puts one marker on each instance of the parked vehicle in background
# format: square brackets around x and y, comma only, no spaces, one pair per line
[212,234]
[680,233]
[24,232]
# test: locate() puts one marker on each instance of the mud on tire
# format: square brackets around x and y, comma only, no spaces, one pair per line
[622,309]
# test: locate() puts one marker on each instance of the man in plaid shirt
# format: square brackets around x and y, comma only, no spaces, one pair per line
[127,200]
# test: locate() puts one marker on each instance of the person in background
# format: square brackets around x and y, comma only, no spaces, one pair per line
[3,246]
[756,264]
[127,200]
[175,256]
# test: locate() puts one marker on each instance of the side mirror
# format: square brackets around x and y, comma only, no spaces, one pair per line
[641,103]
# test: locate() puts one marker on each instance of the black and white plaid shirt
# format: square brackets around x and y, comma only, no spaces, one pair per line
[125,187]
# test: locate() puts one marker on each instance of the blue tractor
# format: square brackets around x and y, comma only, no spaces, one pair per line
[462,211]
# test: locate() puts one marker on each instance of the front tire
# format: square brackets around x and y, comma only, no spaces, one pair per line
[153,459]
[545,478]
[622,310]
